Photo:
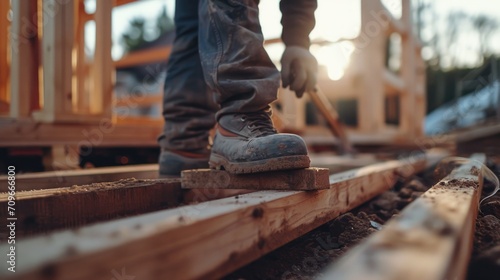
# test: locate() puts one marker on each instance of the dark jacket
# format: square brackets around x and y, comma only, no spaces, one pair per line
[298,21]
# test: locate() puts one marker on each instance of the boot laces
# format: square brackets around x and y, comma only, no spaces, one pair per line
[260,124]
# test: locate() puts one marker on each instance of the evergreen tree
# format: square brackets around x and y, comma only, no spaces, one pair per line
[137,33]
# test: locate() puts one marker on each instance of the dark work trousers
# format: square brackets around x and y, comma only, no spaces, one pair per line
[218,66]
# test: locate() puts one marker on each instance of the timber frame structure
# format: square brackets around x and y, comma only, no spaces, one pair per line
[53,96]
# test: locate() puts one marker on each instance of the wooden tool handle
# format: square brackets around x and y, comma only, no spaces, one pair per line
[332,117]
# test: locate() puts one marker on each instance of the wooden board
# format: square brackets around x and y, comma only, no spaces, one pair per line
[300,179]
[68,178]
[25,59]
[205,240]
[4,52]
[45,210]
[431,239]
[31,133]
[102,66]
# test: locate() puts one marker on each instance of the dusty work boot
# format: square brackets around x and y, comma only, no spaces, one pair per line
[248,143]
[173,162]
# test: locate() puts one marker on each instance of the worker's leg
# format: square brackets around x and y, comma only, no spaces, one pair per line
[188,107]
[239,71]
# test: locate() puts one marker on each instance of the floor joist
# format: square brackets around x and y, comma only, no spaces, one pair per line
[42,211]
[68,178]
[45,210]
[431,239]
[205,240]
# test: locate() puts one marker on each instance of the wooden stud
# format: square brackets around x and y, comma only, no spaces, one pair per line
[431,239]
[57,47]
[143,57]
[62,157]
[371,47]
[407,118]
[103,71]
[230,232]
[82,98]
[4,62]
[25,59]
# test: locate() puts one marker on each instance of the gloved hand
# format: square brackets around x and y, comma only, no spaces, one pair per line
[299,70]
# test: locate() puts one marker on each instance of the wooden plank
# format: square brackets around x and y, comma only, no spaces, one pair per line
[388,20]
[230,232]
[476,132]
[144,57]
[25,59]
[46,210]
[306,179]
[61,157]
[408,118]
[103,71]
[431,239]
[140,101]
[68,178]
[4,53]
[371,114]
[81,78]
[57,47]
[101,134]
[123,2]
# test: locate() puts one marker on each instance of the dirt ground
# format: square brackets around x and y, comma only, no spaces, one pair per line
[307,256]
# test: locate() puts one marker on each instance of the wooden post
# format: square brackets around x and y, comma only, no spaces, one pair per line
[371,47]
[82,97]
[103,71]
[25,59]
[407,117]
[4,64]
[57,47]
[420,94]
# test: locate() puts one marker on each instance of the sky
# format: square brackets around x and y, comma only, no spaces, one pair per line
[335,19]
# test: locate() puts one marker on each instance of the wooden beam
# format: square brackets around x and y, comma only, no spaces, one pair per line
[57,47]
[81,90]
[476,132]
[393,24]
[68,178]
[25,59]
[408,106]
[101,134]
[307,179]
[103,71]
[431,239]
[142,57]
[230,232]
[123,2]
[47,210]
[4,53]
[372,42]
[140,101]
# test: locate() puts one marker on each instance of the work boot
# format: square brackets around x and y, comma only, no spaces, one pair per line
[173,162]
[248,143]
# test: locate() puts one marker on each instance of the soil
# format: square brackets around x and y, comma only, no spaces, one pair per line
[307,256]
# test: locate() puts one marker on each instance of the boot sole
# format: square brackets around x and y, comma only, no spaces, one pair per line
[282,163]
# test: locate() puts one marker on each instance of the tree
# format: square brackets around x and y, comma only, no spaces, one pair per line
[138,34]
[484,26]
